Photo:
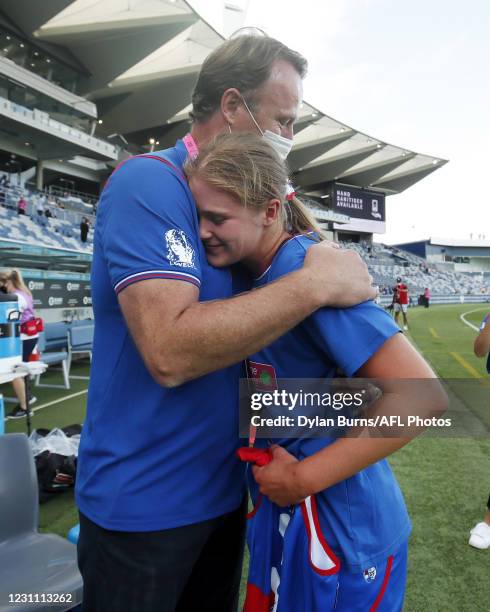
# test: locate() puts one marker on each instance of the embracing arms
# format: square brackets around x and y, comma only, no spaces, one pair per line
[181,339]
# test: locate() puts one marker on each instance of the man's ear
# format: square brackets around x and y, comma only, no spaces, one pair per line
[272,212]
[231,101]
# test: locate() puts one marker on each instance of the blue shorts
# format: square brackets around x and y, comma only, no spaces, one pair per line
[293,569]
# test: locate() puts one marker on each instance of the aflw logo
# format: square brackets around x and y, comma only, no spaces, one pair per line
[36,285]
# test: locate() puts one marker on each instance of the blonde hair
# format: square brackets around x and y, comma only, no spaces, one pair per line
[15,277]
[247,167]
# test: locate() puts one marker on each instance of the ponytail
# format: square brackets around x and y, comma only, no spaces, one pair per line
[299,219]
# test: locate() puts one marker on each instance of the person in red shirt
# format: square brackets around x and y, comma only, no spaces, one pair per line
[400,301]
[21,206]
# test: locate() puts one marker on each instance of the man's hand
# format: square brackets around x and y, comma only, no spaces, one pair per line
[278,479]
[339,276]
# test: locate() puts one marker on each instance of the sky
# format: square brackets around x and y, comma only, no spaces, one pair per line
[414,74]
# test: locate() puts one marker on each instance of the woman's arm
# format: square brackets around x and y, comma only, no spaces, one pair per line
[286,480]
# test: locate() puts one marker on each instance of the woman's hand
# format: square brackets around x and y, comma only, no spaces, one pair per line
[279,479]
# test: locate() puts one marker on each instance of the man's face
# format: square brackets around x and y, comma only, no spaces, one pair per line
[277,103]
[230,232]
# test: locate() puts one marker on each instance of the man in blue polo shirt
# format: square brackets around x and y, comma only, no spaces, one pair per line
[159,489]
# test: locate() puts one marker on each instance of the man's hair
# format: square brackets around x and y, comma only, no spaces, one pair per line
[245,63]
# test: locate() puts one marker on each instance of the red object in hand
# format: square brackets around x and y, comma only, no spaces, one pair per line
[256,456]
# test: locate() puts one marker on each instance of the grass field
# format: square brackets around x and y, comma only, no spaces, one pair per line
[446,481]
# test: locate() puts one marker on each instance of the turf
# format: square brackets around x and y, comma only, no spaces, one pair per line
[445,480]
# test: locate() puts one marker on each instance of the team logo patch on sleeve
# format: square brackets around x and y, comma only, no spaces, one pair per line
[179,249]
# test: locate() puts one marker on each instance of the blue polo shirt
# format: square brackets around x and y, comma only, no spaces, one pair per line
[152,458]
[364,518]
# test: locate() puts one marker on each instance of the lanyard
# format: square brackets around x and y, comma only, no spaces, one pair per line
[191,146]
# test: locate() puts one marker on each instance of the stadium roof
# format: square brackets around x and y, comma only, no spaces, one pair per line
[140,59]
[455,242]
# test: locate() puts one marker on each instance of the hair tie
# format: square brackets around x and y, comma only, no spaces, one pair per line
[290,192]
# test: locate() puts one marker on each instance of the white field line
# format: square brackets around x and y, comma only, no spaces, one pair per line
[462,317]
[58,401]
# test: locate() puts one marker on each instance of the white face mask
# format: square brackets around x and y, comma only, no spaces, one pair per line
[282,146]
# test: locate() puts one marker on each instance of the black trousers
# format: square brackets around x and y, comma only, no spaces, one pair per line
[27,347]
[195,568]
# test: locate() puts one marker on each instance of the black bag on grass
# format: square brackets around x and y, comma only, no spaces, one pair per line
[55,472]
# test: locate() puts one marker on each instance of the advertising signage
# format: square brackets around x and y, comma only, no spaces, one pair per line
[365,208]
[358,203]
[59,293]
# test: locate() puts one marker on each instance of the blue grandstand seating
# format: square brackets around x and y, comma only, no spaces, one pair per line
[38,229]
[386,263]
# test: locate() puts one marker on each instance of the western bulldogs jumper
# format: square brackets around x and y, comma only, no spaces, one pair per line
[344,548]
[153,458]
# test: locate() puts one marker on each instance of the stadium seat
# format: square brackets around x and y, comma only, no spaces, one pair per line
[30,562]
[56,336]
[80,340]
[52,357]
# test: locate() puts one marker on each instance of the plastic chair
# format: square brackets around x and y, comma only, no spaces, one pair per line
[30,562]
[53,357]
[80,342]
